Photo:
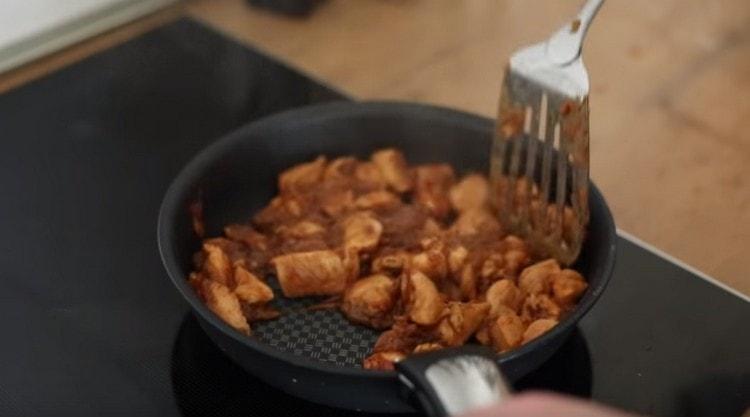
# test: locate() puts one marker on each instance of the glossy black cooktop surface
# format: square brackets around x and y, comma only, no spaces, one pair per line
[90,324]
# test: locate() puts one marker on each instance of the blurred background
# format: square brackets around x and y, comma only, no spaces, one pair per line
[670,97]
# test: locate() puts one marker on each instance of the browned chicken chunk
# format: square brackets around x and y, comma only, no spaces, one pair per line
[370,301]
[431,263]
[310,273]
[402,338]
[473,221]
[370,176]
[461,321]
[250,288]
[538,328]
[425,305]
[362,232]
[472,192]
[503,293]
[433,183]
[506,331]
[238,253]
[536,279]
[493,268]
[259,312]
[217,265]
[539,306]
[567,287]
[220,299]
[383,361]
[340,169]
[302,176]
[483,333]
[515,261]
[515,242]
[393,169]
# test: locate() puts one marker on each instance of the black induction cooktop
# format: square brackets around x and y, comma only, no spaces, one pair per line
[90,324]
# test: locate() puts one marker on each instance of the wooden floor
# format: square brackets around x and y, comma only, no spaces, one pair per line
[670,98]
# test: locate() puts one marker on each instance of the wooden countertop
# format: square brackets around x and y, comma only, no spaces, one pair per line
[670,99]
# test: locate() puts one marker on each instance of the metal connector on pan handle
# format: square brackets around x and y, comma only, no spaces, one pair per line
[451,382]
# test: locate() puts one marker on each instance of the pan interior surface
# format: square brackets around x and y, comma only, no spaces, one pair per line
[321,335]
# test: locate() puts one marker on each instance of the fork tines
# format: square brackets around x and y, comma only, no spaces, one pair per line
[539,166]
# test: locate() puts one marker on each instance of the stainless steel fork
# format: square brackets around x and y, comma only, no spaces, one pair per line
[543,117]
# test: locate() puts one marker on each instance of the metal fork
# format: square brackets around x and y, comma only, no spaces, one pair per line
[543,116]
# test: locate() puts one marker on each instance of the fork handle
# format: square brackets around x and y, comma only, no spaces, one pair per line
[565,45]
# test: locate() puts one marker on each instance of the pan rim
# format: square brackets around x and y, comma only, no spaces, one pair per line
[181,185]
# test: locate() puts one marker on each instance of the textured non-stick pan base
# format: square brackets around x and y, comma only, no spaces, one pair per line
[321,335]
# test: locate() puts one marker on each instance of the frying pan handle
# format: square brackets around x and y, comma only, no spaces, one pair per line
[451,382]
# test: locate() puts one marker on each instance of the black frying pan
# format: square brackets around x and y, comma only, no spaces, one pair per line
[317,355]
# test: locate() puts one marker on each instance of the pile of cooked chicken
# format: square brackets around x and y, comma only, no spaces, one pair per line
[412,250]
